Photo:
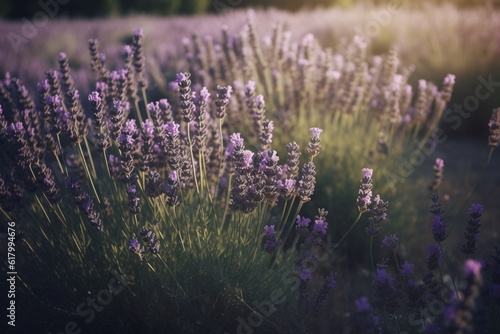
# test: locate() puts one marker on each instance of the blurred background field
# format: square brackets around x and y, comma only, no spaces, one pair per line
[436,37]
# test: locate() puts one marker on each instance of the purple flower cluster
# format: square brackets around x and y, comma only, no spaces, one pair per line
[378,212]
[223,98]
[365,193]
[314,143]
[472,229]
[391,242]
[438,225]
[136,248]
[84,202]
[438,175]
[150,239]
[187,107]
[270,239]
[387,296]
[494,126]
[434,256]
[365,316]
[134,202]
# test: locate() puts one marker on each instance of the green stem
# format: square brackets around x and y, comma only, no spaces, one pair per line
[449,269]
[371,253]
[348,231]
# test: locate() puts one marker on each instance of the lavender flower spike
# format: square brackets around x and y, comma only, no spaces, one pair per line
[472,229]
[365,193]
[314,143]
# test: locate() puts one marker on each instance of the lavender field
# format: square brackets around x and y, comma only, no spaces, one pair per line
[252,171]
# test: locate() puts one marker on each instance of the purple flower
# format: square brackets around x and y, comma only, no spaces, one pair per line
[407,269]
[305,275]
[180,77]
[247,159]
[134,244]
[94,97]
[367,172]
[439,164]
[173,176]
[449,79]
[132,190]
[362,305]
[315,132]
[287,186]
[439,228]
[269,230]
[250,86]
[390,241]
[302,221]
[62,56]
[270,127]
[271,245]
[148,128]
[259,101]
[138,32]
[320,226]
[172,128]
[381,276]
[204,94]
[472,268]
[475,210]
[433,256]
[269,158]
[126,139]
[130,127]
[236,140]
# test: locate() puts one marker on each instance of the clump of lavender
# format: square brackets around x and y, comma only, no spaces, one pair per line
[149,237]
[314,143]
[270,238]
[494,126]
[472,229]
[365,193]
[438,175]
